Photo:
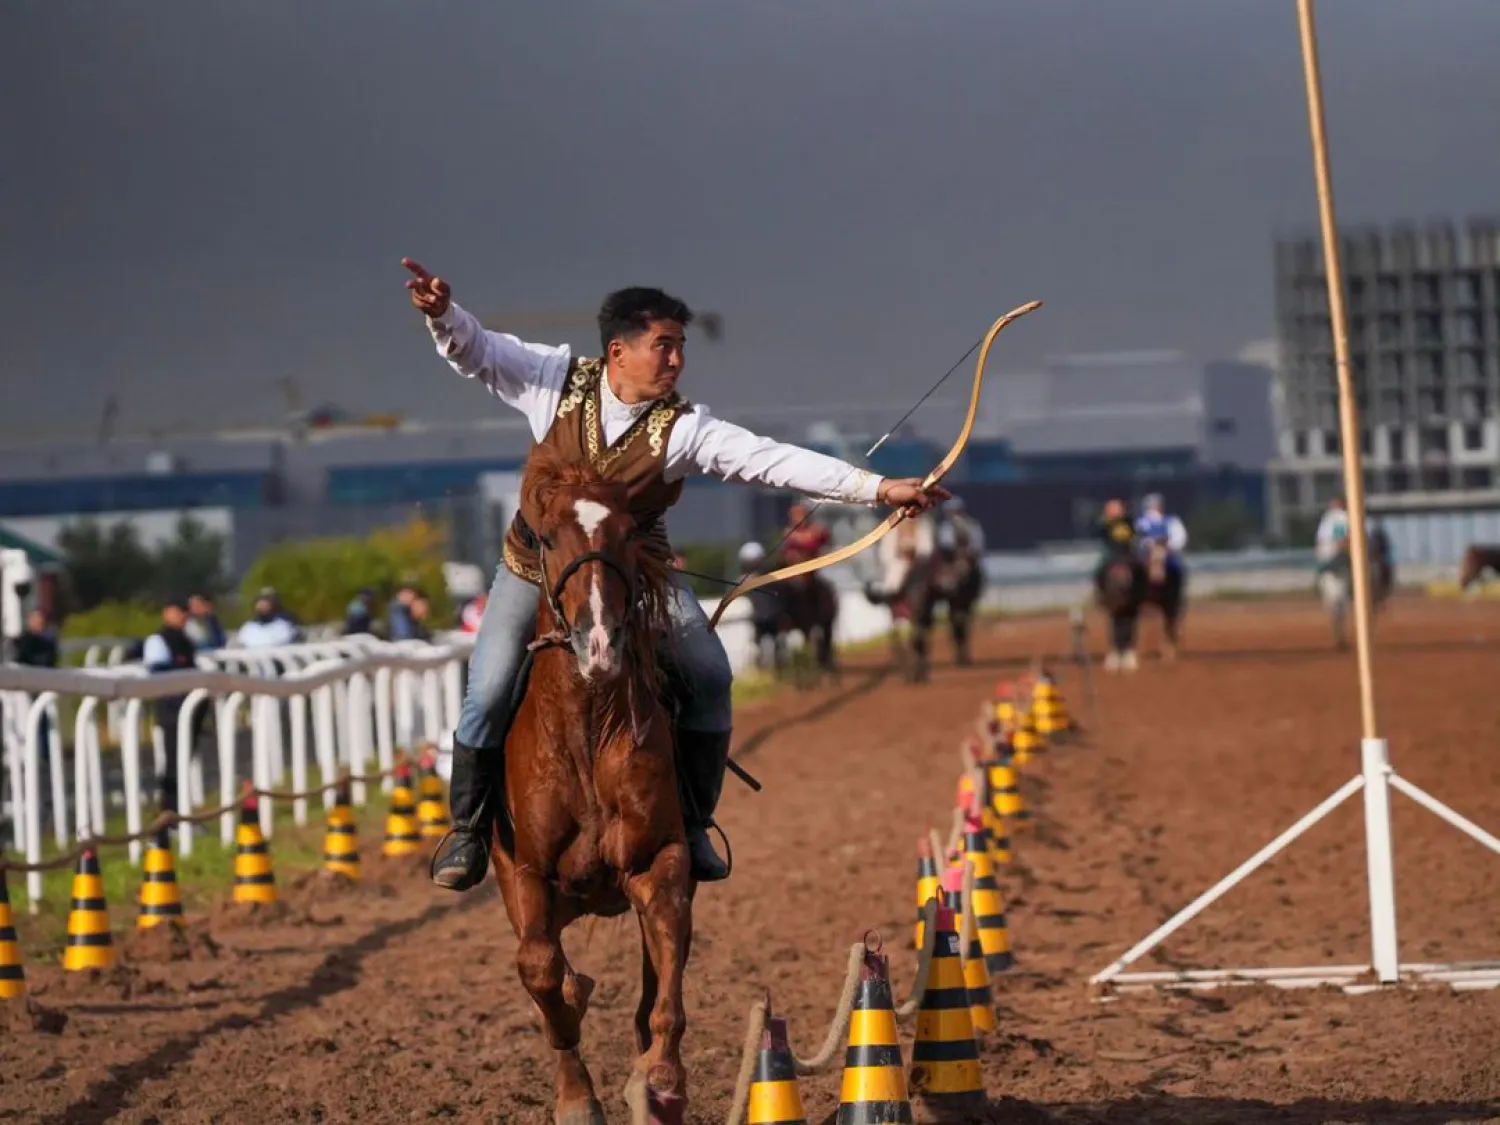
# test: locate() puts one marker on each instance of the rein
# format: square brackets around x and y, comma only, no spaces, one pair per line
[559,637]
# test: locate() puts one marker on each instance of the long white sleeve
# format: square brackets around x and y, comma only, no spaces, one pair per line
[1177,536]
[711,446]
[528,377]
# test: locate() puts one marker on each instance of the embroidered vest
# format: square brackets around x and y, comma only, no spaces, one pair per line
[636,460]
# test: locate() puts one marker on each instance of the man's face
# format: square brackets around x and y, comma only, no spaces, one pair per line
[36,621]
[198,607]
[173,617]
[648,365]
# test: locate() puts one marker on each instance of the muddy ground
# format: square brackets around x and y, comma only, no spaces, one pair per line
[399,1002]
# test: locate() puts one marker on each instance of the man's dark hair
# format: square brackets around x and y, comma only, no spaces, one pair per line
[629,312]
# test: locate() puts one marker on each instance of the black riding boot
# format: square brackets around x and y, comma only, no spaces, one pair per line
[476,773]
[701,761]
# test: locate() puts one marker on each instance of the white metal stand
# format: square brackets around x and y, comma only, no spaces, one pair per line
[1377,779]
[1376,776]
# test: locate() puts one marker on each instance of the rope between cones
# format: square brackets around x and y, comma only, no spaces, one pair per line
[169,819]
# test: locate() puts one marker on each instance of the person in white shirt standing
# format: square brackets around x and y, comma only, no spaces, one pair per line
[631,389]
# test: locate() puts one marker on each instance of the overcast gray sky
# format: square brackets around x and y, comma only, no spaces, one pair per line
[200,198]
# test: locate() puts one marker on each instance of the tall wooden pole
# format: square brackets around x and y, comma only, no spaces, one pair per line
[1354,481]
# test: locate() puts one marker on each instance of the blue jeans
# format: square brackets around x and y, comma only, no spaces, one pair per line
[509,625]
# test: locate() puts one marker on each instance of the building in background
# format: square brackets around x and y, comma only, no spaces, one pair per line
[1424,351]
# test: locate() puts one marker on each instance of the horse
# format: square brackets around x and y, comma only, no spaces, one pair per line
[591,823]
[1478,558]
[1166,590]
[1121,592]
[951,577]
[807,604]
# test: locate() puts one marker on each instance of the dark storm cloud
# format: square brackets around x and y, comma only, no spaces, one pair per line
[201,199]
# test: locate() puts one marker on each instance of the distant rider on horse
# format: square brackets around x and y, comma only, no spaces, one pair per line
[620,414]
[1116,535]
[1155,528]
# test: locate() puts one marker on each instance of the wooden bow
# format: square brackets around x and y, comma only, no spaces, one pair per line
[886,526]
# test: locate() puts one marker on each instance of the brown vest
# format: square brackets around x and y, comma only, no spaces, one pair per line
[636,460]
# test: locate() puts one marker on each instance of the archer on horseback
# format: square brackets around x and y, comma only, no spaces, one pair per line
[622,415]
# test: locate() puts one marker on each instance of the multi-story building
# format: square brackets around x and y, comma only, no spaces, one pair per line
[1424,351]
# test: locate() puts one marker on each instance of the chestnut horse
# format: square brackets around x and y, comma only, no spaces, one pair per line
[1477,559]
[592,823]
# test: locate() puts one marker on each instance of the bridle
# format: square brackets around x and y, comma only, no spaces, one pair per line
[561,635]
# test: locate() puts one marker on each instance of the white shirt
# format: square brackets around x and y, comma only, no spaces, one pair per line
[269,634]
[530,378]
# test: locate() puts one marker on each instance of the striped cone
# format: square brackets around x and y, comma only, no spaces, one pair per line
[928,884]
[1047,706]
[976,975]
[401,834]
[90,945]
[874,1089]
[989,903]
[975,788]
[254,881]
[945,1080]
[161,899]
[12,972]
[1026,742]
[1006,798]
[340,843]
[432,810]
[775,1096]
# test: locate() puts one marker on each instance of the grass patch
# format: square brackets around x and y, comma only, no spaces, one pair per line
[203,878]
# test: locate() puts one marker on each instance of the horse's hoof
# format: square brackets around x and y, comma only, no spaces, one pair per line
[1112,662]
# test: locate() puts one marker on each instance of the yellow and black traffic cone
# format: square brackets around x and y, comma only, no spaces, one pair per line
[1026,743]
[254,881]
[161,898]
[1046,704]
[401,834]
[1006,798]
[12,972]
[874,1088]
[432,809]
[929,885]
[945,1080]
[976,975]
[90,945]
[989,903]
[775,1096]
[340,844]
[976,790]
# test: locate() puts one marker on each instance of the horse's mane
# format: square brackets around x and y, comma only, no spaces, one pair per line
[549,481]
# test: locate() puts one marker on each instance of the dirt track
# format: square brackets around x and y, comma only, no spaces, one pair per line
[400,1002]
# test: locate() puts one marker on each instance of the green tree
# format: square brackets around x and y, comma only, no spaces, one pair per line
[190,563]
[104,565]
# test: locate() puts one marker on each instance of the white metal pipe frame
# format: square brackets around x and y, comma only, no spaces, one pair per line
[348,701]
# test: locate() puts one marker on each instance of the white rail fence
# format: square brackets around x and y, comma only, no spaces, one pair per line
[351,701]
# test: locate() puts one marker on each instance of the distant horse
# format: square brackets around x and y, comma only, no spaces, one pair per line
[591,821]
[1121,592]
[807,604]
[1166,590]
[954,579]
[1478,559]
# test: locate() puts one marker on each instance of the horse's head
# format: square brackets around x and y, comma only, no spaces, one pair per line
[1156,561]
[1119,584]
[599,584]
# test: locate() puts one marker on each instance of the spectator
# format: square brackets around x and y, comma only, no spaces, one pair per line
[399,624]
[420,610]
[37,646]
[203,627]
[473,614]
[360,616]
[280,612]
[169,650]
[266,629]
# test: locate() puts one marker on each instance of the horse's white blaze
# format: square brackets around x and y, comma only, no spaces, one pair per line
[590,514]
[601,653]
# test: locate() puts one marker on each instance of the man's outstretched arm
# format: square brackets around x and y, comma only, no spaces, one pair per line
[526,376]
[713,447]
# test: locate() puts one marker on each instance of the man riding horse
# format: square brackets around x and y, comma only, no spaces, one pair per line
[1162,538]
[1331,547]
[620,414]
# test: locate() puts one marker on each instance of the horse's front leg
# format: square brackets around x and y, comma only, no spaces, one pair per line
[662,897]
[561,997]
